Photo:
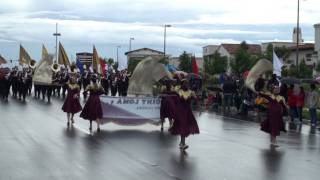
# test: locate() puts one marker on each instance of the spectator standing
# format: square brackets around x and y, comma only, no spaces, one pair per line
[292,103]
[228,91]
[312,104]
[300,103]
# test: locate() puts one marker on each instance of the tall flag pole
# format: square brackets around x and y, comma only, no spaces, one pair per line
[80,66]
[63,57]
[2,60]
[44,53]
[277,64]
[194,65]
[102,66]
[24,57]
[95,60]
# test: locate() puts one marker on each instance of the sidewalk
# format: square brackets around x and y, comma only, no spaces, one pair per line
[254,116]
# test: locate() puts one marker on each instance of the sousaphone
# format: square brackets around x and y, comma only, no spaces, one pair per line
[32,64]
[55,67]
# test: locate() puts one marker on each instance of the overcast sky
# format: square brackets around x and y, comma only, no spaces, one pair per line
[108,23]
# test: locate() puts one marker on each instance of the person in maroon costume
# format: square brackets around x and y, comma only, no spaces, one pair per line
[274,123]
[184,122]
[72,105]
[92,110]
[167,104]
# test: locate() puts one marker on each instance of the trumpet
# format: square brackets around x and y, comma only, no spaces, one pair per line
[55,67]
[32,64]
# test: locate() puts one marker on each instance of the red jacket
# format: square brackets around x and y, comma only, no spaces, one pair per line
[300,99]
[292,99]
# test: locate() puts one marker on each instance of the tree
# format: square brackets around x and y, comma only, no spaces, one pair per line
[133,62]
[115,65]
[304,70]
[282,52]
[185,62]
[215,64]
[318,67]
[269,52]
[110,61]
[242,61]
[293,71]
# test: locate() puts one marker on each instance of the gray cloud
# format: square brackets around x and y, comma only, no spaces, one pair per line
[110,23]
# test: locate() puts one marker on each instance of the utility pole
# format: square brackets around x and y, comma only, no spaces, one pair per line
[131,39]
[56,34]
[164,39]
[298,37]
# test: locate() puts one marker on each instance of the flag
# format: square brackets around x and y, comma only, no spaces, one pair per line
[43,72]
[44,53]
[194,65]
[2,60]
[95,60]
[171,68]
[102,66]
[63,57]
[80,66]
[258,69]
[24,57]
[277,64]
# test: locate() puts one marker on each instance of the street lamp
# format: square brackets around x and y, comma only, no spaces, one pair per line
[131,39]
[118,53]
[165,35]
[298,32]
[56,34]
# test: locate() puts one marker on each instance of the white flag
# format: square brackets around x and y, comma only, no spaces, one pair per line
[277,64]
[262,66]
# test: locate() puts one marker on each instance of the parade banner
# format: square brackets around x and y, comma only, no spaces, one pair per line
[131,110]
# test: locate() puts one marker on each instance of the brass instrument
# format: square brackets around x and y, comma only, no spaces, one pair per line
[55,67]
[32,64]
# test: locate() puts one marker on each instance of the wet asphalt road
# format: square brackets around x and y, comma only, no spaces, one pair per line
[37,145]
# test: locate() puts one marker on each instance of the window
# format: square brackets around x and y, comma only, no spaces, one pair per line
[308,57]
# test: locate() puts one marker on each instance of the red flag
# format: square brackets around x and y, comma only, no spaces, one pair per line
[103,67]
[194,65]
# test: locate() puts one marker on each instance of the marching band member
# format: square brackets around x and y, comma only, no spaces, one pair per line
[92,110]
[185,122]
[29,80]
[5,85]
[114,84]
[56,83]
[14,79]
[105,83]
[126,83]
[167,107]
[276,109]
[72,105]
[64,82]
[85,82]
[79,80]
[23,86]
